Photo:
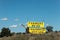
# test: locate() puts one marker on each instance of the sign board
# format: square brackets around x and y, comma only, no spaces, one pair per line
[40,24]
[36,27]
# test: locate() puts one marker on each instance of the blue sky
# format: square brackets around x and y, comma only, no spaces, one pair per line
[16,12]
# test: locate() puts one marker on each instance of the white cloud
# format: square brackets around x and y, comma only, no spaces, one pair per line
[47,24]
[4,19]
[14,26]
[16,19]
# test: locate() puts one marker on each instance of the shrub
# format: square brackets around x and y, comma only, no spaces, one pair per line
[5,32]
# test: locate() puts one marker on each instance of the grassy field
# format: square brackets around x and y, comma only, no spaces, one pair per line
[47,36]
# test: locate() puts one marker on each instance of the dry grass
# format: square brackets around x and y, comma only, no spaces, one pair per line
[47,36]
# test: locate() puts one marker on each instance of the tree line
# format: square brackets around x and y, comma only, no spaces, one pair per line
[7,32]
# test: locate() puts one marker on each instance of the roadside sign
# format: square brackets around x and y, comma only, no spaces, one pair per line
[36,27]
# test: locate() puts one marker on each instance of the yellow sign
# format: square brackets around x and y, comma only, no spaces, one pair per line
[40,24]
[36,27]
[37,31]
